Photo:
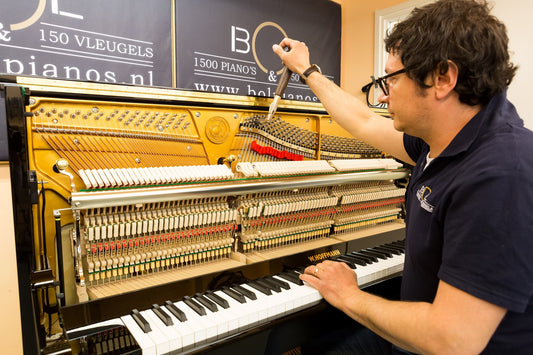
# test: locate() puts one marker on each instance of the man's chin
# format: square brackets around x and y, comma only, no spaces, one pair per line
[397,126]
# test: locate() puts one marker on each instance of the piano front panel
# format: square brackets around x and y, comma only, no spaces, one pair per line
[232,309]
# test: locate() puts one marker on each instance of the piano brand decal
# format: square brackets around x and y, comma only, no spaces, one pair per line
[77,40]
[324,255]
[422,194]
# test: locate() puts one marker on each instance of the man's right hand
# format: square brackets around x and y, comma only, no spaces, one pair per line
[297,58]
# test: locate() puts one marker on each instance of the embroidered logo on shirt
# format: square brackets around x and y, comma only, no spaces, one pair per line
[422,194]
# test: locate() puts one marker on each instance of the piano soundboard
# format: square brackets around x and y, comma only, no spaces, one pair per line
[171,206]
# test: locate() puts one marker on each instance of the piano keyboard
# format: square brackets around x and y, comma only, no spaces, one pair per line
[196,321]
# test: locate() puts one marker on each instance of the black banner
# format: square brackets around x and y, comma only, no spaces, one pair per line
[4,152]
[110,41]
[226,46]
[222,46]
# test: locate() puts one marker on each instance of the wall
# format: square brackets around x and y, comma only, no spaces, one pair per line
[515,14]
[10,326]
[357,46]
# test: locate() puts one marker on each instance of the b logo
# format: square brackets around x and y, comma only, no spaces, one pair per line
[254,37]
[240,42]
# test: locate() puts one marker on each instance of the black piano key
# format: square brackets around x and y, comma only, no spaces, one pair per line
[139,319]
[383,251]
[353,259]
[164,316]
[346,261]
[399,243]
[369,258]
[234,294]
[300,270]
[386,249]
[291,277]
[362,258]
[244,292]
[207,303]
[194,305]
[217,299]
[261,288]
[400,249]
[356,260]
[373,253]
[280,283]
[178,313]
[267,283]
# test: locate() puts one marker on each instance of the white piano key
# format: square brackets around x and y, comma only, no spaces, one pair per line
[220,320]
[303,296]
[171,340]
[188,340]
[245,316]
[273,305]
[199,327]
[145,342]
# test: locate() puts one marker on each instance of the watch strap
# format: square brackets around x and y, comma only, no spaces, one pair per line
[313,68]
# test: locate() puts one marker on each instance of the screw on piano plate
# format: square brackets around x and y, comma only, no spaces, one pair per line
[197,114]
[235,116]
[189,148]
[32,101]
[138,160]
[95,109]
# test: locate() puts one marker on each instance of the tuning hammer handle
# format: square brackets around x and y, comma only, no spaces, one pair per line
[283,81]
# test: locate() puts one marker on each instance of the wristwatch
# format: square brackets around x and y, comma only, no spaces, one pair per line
[308,71]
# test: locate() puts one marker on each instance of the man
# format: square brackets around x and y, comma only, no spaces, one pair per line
[468,277]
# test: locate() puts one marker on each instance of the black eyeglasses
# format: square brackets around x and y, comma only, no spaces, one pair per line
[379,83]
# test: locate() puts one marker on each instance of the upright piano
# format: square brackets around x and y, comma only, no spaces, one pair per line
[160,221]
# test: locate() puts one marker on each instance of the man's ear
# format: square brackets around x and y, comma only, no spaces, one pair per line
[445,79]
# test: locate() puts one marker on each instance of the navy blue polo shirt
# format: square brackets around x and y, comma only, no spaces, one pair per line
[470,220]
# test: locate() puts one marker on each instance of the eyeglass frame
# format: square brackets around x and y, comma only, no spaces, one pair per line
[382,83]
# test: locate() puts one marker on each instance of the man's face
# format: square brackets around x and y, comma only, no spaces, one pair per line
[405,102]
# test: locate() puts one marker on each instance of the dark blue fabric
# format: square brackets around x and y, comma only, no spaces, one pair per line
[470,220]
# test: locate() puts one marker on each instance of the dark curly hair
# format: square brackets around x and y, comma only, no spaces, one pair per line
[464,32]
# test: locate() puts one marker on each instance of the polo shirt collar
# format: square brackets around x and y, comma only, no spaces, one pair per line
[483,121]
